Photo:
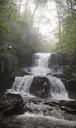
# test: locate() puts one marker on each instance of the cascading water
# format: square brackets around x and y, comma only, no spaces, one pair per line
[21,85]
[57,88]
[44,64]
[41,68]
[40,64]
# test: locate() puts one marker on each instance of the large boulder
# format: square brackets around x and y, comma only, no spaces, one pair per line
[71,87]
[68,106]
[6,81]
[11,104]
[40,87]
[55,59]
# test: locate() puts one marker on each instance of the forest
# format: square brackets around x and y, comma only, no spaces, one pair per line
[20,31]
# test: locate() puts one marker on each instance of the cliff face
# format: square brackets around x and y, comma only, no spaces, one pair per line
[69,73]
[69,64]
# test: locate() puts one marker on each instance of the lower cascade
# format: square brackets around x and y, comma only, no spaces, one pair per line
[40,82]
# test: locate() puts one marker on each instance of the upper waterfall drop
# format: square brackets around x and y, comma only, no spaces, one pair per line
[45,64]
[41,64]
[41,59]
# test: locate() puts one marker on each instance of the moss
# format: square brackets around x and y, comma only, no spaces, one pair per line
[74,76]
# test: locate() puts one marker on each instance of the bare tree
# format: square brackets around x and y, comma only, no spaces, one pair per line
[26,3]
[59,25]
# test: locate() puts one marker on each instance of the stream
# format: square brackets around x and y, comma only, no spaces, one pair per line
[46,100]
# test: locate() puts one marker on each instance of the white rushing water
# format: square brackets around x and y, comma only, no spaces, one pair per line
[52,121]
[40,65]
[41,62]
[40,68]
[57,88]
[22,84]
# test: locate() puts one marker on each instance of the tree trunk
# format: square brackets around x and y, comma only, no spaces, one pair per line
[26,5]
[20,5]
[59,22]
[2,64]
[31,22]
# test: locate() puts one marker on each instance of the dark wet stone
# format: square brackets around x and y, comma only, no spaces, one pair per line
[11,104]
[40,87]
[68,106]
[71,87]
[55,59]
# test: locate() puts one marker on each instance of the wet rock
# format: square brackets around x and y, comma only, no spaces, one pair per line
[69,64]
[69,59]
[71,87]
[68,106]
[68,103]
[6,81]
[40,87]
[69,110]
[11,104]
[55,59]
[64,105]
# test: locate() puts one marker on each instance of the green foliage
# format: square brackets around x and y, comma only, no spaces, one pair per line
[8,60]
[7,13]
[68,31]
[15,29]
[74,76]
[4,27]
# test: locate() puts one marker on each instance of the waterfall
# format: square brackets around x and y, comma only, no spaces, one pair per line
[22,84]
[41,62]
[44,64]
[57,88]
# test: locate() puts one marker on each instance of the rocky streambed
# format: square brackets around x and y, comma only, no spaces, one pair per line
[28,112]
